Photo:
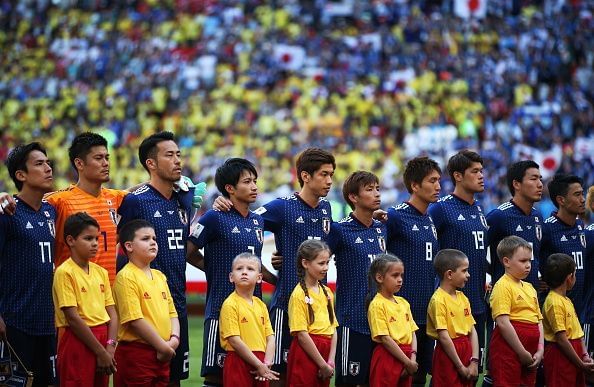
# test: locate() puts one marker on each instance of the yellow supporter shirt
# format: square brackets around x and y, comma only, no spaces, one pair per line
[445,312]
[103,209]
[89,293]
[298,314]
[391,318]
[139,296]
[559,315]
[250,322]
[516,299]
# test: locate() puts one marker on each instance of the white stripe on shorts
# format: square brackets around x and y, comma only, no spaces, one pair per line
[345,350]
[278,336]
[211,344]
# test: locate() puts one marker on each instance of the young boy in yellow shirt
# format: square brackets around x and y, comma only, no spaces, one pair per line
[84,306]
[566,359]
[517,344]
[149,331]
[450,322]
[245,328]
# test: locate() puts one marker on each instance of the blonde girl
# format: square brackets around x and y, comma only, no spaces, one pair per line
[390,320]
[311,319]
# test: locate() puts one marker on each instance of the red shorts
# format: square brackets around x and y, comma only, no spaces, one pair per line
[505,365]
[385,370]
[301,370]
[77,363]
[444,373]
[236,372]
[559,370]
[138,366]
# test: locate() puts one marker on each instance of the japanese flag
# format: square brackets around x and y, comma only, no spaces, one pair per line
[470,8]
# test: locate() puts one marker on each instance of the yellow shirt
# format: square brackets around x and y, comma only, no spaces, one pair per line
[516,299]
[250,322]
[445,312]
[89,292]
[559,315]
[298,312]
[102,208]
[391,318]
[138,296]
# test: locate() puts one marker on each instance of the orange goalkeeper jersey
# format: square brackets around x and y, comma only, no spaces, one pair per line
[103,208]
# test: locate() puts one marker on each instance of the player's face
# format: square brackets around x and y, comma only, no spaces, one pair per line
[461,275]
[144,245]
[246,190]
[318,267]
[428,190]
[245,272]
[531,185]
[473,179]
[369,197]
[39,172]
[574,202]
[95,166]
[168,162]
[321,181]
[392,280]
[519,265]
[85,245]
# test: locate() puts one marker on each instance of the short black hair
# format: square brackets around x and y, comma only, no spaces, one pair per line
[312,159]
[417,169]
[556,268]
[354,182]
[230,173]
[128,231]
[448,259]
[82,144]
[17,160]
[77,223]
[461,161]
[517,171]
[148,146]
[559,185]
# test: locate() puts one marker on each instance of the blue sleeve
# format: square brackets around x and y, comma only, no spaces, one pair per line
[206,229]
[127,210]
[393,223]
[272,215]
[437,214]
[5,233]
[494,233]
[334,237]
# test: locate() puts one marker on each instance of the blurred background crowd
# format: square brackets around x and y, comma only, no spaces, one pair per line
[377,82]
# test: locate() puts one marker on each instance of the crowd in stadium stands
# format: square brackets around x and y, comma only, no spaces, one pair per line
[263,80]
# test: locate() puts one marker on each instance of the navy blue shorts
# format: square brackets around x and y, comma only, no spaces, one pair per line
[282,339]
[353,356]
[425,346]
[180,364]
[213,355]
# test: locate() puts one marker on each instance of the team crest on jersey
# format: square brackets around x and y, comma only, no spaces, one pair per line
[434,231]
[354,368]
[113,216]
[326,225]
[221,359]
[183,216]
[583,240]
[260,235]
[52,227]
[483,221]
[382,243]
[286,355]
[538,230]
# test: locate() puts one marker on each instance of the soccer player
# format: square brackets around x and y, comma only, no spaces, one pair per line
[26,265]
[565,233]
[412,237]
[355,241]
[588,312]
[518,216]
[90,158]
[224,235]
[461,225]
[169,211]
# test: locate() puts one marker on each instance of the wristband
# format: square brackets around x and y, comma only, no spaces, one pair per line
[474,360]
[112,342]
[176,336]
[331,363]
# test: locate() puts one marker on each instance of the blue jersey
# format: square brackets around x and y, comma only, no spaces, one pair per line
[224,235]
[463,226]
[412,237]
[570,240]
[354,246]
[292,221]
[169,217]
[508,219]
[588,312]
[27,267]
